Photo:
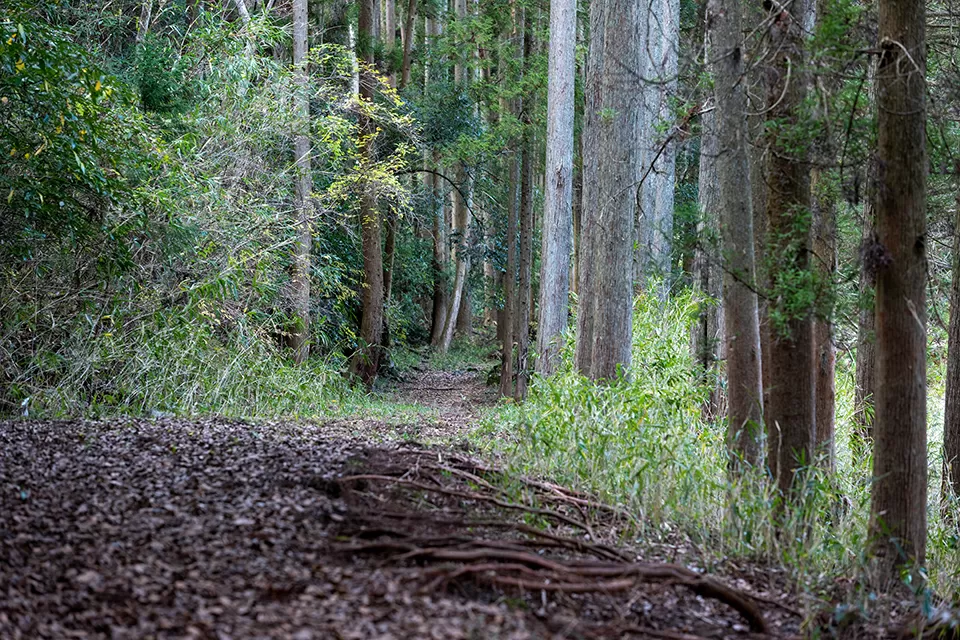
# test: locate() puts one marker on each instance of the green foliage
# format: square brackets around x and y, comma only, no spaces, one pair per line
[78,156]
[141,202]
[199,361]
[793,285]
[643,444]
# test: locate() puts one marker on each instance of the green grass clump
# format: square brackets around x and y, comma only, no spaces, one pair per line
[644,443]
[174,363]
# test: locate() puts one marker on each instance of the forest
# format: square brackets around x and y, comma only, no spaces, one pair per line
[480,319]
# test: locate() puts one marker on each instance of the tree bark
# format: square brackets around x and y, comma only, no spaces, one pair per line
[660,59]
[143,24]
[825,266]
[461,219]
[524,295]
[898,514]
[460,258]
[707,276]
[612,164]
[866,361]
[390,37]
[299,333]
[558,196]
[790,414]
[951,418]
[741,319]
[510,278]
[408,35]
[441,259]
[366,362]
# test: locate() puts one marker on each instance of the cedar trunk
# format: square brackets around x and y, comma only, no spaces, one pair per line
[790,415]
[366,362]
[524,295]
[898,514]
[741,319]
[611,165]
[510,279]
[558,195]
[707,333]
[825,266]
[299,334]
[951,419]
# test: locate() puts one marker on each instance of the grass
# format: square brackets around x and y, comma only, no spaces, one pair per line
[643,444]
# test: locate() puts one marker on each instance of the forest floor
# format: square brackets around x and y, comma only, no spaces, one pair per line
[212,528]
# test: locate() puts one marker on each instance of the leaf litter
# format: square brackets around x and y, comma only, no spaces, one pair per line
[211,528]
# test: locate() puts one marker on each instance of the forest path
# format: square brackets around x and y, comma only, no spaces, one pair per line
[213,528]
[457,396]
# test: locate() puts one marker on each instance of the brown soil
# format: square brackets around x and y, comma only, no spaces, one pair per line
[221,529]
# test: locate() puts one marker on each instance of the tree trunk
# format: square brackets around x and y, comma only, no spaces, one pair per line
[898,514]
[366,362]
[461,219]
[759,160]
[951,417]
[389,260]
[299,334]
[524,288]
[461,227]
[510,279]
[408,35]
[866,363]
[431,29]
[825,266]
[440,262]
[790,415]
[741,319]
[143,24]
[612,162]
[707,274]
[558,197]
[660,60]
[390,38]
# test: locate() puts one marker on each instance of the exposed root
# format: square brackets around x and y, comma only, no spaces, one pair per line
[456,549]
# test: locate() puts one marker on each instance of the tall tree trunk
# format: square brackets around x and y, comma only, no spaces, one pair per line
[790,415]
[461,219]
[654,230]
[759,156]
[612,162]
[898,513]
[390,37]
[392,221]
[558,196]
[143,24]
[440,262]
[408,35]
[524,296]
[866,369]
[707,274]
[298,336]
[441,245]
[825,266]
[366,362]
[951,417]
[510,278]
[460,258]
[741,319]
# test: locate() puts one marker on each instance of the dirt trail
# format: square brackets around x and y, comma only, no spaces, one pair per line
[221,529]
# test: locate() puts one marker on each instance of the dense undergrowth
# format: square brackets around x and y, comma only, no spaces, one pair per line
[646,444]
[145,224]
